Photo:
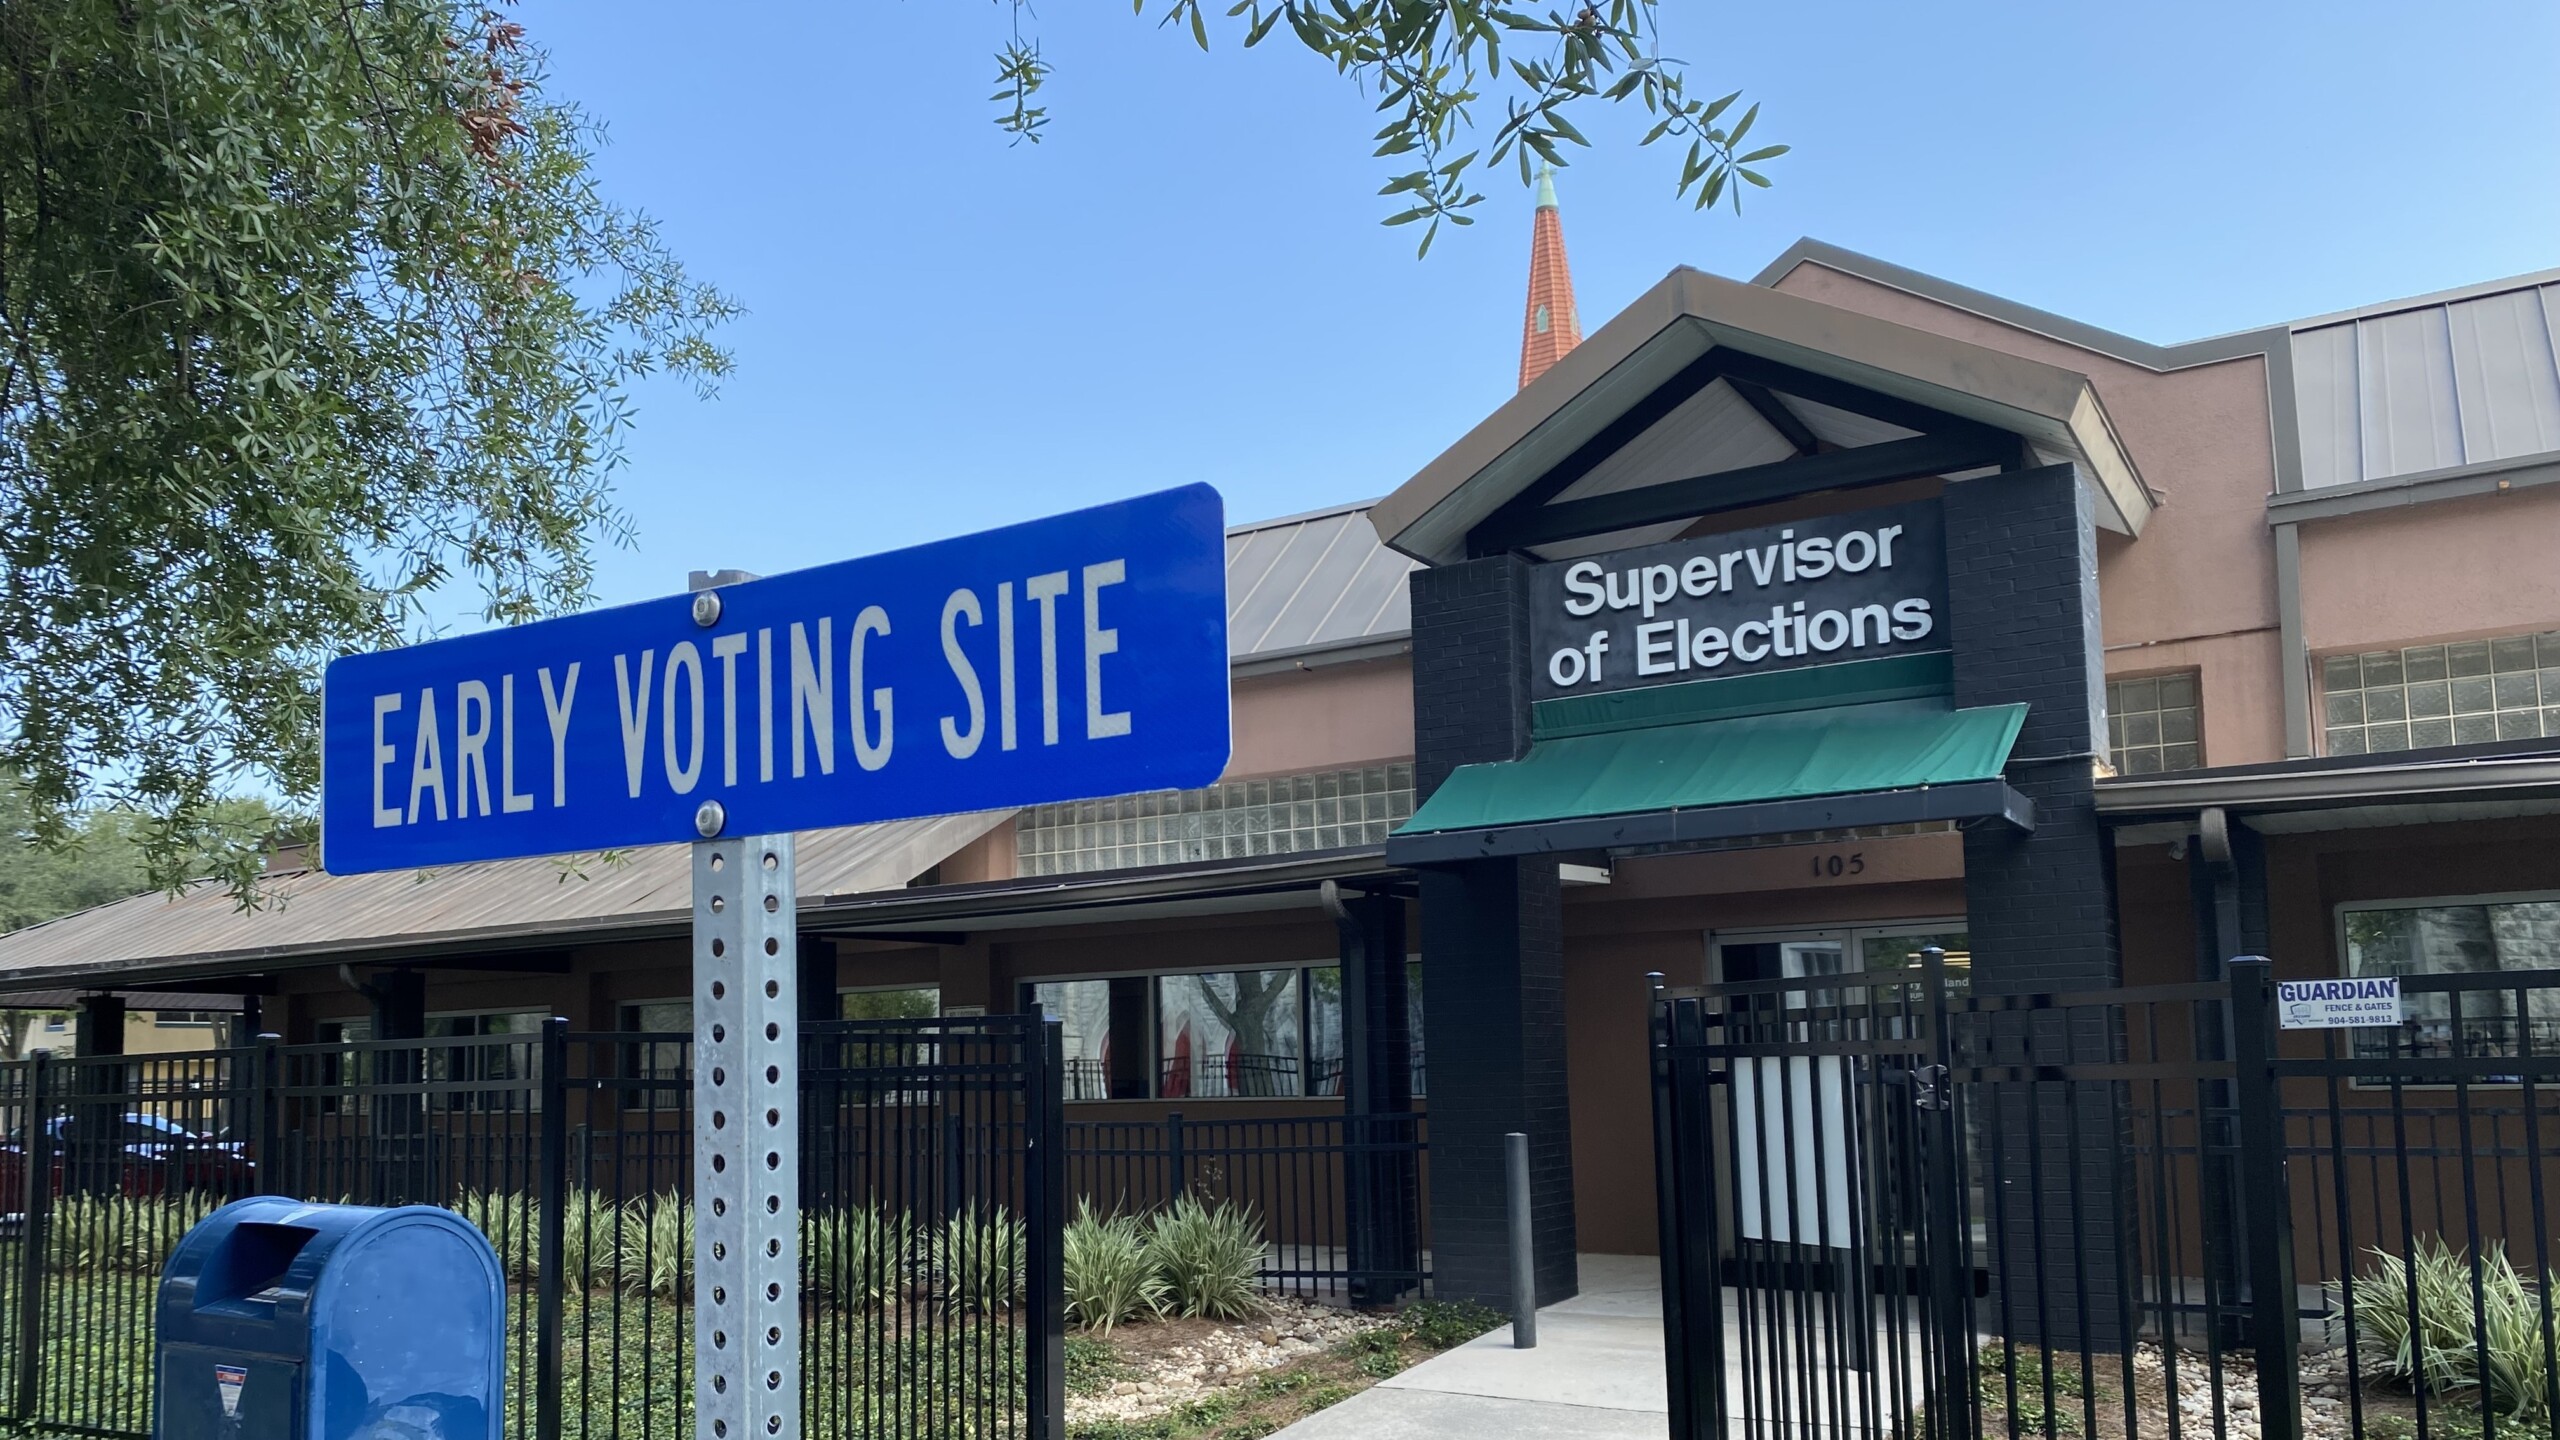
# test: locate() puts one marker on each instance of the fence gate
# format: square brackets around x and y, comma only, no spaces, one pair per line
[1894,1205]
[931,1202]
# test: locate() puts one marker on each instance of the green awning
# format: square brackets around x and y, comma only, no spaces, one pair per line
[1913,759]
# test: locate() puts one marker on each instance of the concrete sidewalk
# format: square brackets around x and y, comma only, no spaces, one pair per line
[1596,1371]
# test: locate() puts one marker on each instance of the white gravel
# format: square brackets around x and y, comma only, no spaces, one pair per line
[1288,1330]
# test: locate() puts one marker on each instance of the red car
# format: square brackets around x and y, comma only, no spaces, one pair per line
[146,1155]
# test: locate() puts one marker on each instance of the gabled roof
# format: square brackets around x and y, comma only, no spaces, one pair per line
[311,918]
[1311,584]
[1690,313]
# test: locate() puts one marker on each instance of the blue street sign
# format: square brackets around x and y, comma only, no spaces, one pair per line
[1064,659]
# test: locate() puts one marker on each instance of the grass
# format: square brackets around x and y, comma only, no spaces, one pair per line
[2071,1391]
[868,1373]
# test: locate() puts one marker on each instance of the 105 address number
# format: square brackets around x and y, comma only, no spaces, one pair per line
[1839,867]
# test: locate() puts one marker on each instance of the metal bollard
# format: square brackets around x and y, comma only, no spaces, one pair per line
[1524,1267]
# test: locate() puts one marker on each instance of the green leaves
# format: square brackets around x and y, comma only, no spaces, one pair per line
[305,309]
[1430,62]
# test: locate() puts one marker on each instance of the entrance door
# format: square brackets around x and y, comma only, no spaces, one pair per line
[1802,1189]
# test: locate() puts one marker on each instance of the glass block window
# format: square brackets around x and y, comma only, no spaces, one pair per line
[2461,694]
[1231,821]
[2153,725]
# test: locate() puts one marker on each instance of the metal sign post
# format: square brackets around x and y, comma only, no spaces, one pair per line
[746,1149]
[746,1119]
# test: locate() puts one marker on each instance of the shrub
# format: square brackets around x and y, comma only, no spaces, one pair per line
[508,1222]
[2442,1352]
[981,1262]
[590,1237]
[133,1233]
[1109,1275]
[1209,1258]
[855,1258]
[655,1247]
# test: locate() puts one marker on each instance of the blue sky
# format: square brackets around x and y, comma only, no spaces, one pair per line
[1188,281]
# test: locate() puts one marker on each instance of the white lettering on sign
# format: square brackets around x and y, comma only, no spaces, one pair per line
[1055,660]
[453,776]
[1814,593]
[2338,1004]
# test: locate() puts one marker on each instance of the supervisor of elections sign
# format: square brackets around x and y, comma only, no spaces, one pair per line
[1062,659]
[1781,597]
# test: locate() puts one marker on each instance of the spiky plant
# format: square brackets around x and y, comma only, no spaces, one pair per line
[855,1258]
[1210,1258]
[655,1254]
[980,1261]
[1108,1275]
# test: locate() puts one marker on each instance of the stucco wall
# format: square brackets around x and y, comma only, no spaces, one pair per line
[2198,589]
[1330,718]
[2452,570]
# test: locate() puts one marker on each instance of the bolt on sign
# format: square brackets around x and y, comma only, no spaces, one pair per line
[1069,658]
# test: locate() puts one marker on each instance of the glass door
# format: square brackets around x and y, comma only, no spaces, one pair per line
[1802,1190]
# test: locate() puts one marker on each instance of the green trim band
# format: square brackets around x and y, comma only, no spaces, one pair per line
[1851,682]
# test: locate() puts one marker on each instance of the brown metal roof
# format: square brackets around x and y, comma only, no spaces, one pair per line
[309,918]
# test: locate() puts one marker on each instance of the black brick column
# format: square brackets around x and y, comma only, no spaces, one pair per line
[2022,589]
[2022,583]
[1493,952]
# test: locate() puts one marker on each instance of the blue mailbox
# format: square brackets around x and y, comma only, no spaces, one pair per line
[286,1321]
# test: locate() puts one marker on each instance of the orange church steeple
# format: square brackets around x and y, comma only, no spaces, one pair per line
[1551,326]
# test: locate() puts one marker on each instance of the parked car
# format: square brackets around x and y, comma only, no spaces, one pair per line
[144,1155]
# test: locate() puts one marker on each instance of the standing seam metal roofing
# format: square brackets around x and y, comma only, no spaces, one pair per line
[2429,386]
[1310,581]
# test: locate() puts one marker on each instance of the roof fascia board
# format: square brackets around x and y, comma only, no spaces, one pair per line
[2271,343]
[1965,800]
[2427,487]
[1322,512]
[2329,787]
[1689,312]
[1609,373]
[2533,280]
[823,915]
[2185,355]
[1318,657]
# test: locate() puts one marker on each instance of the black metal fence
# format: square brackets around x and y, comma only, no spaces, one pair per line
[926,1204]
[1895,1205]
[1342,1200]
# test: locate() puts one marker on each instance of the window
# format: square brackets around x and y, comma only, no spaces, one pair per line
[909,1004]
[653,1071]
[185,1019]
[2153,725]
[1217,1035]
[1238,1035]
[2461,694]
[1232,821]
[1325,1064]
[1103,1027]
[506,1065]
[2458,937]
